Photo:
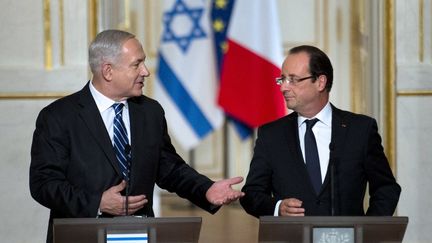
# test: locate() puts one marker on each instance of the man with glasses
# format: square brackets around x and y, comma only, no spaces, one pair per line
[318,159]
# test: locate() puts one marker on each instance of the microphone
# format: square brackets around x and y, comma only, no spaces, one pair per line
[332,179]
[128,150]
[128,164]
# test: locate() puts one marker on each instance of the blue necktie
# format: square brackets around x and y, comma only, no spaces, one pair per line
[311,154]
[121,142]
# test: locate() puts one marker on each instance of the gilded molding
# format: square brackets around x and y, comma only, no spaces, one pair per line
[421,30]
[355,60]
[414,93]
[32,95]
[62,36]
[326,25]
[127,16]
[389,82]
[149,39]
[339,25]
[48,58]
[93,6]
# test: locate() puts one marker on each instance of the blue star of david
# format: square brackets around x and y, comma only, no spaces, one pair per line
[180,9]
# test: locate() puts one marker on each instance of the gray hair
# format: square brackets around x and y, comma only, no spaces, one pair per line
[107,46]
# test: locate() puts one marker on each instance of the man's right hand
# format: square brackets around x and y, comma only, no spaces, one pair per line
[113,202]
[291,207]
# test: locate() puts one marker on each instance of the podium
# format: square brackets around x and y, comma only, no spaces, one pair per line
[130,229]
[332,229]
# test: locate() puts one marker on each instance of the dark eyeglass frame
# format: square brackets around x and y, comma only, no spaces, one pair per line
[291,80]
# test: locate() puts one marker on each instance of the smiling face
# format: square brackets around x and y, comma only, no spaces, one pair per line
[307,97]
[126,74]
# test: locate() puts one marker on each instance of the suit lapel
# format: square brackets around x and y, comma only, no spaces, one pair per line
[137,120]
[338,136]
[293,142]
[142,132]
[96,127]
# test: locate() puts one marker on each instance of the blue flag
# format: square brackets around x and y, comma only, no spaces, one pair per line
[187,83]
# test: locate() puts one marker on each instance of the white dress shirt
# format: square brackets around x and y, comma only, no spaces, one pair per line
[104,105]
[322,133]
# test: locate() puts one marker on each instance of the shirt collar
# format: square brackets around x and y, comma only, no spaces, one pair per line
[324,116]
[102,102]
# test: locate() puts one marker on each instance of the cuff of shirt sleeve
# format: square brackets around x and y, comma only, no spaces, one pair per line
[276,211]
[99,213]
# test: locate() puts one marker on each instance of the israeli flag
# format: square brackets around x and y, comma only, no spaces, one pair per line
[186,83]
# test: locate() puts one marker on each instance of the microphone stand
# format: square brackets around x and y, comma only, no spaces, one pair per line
[128,158]
[332,189]
[332,179]
[127,197]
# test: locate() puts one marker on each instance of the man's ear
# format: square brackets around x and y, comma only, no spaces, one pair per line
[107,71]
[322,82]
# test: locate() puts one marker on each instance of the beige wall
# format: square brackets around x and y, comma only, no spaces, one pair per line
[414,115]
[351,32]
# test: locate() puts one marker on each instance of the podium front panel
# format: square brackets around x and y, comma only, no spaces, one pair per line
[160,230]
[300,229]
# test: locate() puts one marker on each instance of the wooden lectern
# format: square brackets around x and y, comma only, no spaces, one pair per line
[332,229]
[160,230]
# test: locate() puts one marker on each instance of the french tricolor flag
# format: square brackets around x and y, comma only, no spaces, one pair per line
[253,59]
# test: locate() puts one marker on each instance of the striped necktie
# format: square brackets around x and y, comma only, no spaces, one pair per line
[121,141]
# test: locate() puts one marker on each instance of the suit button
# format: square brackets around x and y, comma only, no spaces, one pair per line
[318,202]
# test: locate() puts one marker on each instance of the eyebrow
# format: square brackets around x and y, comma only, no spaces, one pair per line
[290,75]
[139,60]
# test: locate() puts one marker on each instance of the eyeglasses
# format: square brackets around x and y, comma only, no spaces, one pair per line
[291,80]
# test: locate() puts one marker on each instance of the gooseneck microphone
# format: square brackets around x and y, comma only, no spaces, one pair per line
[332,179]
[127,178]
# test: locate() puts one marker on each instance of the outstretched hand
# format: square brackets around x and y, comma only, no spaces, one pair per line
[221,193]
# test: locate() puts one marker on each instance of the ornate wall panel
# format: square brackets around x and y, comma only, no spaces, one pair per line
[413,115]
[381,51]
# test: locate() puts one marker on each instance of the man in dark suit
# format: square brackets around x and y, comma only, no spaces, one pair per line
[290,169]
[75,169]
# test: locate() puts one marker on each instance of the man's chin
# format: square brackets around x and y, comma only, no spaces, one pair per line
[138,94]
[289,104]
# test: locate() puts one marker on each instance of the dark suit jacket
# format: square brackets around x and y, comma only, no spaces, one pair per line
[278,171]
[73,161]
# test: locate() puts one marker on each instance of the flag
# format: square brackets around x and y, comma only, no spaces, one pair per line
[252,61]
[186,81]
[220,16]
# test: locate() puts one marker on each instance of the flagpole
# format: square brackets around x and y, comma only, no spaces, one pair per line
[192,164]
[225,148]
